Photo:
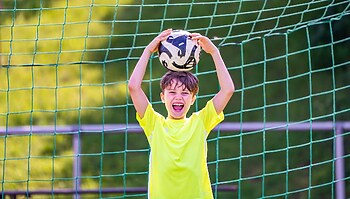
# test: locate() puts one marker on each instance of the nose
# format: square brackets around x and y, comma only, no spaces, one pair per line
[178,96]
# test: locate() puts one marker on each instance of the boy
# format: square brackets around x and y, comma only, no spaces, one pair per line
[178,167]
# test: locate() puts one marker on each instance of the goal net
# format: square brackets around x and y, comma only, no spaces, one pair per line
[67,121]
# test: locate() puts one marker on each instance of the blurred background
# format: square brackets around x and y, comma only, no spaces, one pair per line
[66,62]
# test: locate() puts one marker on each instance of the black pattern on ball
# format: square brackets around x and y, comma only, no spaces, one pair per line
[179,52]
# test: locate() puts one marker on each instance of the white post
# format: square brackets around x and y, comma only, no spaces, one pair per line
[339,162]
[76,164]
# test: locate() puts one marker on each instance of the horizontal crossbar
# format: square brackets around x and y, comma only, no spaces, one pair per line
[117,190]
[135,128]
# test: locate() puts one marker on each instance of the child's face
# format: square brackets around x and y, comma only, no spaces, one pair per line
[178,100]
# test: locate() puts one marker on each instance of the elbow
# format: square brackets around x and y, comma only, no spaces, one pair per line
[230,90]
[233,88]
[132,87]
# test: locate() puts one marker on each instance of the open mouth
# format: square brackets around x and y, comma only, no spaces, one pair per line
[178,106]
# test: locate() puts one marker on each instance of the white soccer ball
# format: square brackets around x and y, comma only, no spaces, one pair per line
[179,52]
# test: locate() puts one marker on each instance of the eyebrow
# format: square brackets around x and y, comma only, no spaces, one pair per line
[170,89]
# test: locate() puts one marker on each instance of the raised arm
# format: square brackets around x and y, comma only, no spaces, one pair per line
[138,96]
[227,87]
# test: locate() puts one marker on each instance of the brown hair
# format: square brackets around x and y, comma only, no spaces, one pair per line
[185,78]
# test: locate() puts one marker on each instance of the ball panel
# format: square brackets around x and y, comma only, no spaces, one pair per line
[179,52]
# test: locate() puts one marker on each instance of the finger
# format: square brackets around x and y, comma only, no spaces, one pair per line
[197,37]
[167,31]
[200,42]
[195,34]
[165,34]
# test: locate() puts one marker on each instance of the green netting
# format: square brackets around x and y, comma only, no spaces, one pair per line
[67,63]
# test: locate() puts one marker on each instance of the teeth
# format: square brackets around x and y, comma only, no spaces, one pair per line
[178,106]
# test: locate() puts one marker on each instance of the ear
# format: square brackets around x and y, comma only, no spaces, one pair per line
[194,97]
[162,96]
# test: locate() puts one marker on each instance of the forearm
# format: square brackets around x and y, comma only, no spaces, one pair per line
[224,77]
[138,97]
[227,87]
[136,78]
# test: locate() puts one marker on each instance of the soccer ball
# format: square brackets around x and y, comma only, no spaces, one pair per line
[179,52]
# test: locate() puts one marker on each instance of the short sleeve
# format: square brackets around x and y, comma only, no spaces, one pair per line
[149,119]
[209,116]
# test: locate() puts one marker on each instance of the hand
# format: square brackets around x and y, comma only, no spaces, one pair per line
[153,46]
[205,43]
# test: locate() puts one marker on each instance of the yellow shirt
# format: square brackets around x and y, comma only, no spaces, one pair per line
[178,160]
